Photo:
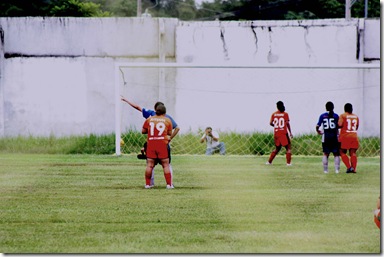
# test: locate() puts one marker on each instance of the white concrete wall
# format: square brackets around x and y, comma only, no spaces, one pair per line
[90,37]
[243,100]
[372,39]
[57,74]
[268,42]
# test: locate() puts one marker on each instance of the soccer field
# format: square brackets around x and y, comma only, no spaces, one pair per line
[220,204]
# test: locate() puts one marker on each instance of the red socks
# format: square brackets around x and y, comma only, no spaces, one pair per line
[345,159]
[271,157]
[289,157]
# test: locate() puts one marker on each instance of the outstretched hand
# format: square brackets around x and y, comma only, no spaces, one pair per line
[123,98]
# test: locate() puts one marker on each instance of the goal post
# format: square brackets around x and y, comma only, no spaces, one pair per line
[117,110]
[299,84]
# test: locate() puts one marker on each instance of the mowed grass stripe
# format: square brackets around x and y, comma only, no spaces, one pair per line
[100,205]
[299,208]
[97,204]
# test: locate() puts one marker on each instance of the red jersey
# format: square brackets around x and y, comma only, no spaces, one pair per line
[279,121]
[348,123]
[158,128]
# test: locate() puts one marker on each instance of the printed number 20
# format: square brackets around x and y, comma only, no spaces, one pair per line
[278,122]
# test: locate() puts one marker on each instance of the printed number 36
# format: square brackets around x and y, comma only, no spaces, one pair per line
[329,123]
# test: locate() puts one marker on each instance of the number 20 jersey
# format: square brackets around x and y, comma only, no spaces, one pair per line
[279,120]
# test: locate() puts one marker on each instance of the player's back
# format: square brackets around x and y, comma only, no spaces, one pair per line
[279,120]
[330,124]
[350,124]
[159,127]
[149,113]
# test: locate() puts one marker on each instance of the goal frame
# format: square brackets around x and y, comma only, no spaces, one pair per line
[120,65]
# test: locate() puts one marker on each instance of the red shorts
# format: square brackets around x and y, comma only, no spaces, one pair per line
[282,140]
[349,143]
[157,150]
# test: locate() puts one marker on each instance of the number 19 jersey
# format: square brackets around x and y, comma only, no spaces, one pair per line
[158,128]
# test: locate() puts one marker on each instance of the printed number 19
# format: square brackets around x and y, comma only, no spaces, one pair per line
[160,127]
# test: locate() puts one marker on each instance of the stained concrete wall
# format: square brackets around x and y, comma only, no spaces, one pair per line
[243,100]
[269,42]
[57,75]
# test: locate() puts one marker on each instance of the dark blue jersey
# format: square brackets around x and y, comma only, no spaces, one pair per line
[148,113]
[329,124]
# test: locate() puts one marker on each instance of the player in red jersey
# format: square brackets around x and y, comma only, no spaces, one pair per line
[158,129]
[377,215]
[147,113]
[349,124]
[282,132]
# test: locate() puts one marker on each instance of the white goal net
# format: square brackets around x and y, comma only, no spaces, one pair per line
[237,101]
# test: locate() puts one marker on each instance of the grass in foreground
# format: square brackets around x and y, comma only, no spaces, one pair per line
[231,204]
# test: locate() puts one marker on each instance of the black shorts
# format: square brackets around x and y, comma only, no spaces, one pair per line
[331,146]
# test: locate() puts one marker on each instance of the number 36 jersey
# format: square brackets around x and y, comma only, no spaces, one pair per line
[279,121]
[330,126]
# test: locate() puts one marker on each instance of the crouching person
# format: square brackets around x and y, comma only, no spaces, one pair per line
[213,143]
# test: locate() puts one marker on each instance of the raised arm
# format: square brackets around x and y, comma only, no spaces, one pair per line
[214,135]
[137,107]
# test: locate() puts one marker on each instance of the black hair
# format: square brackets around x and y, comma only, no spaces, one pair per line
[280,106]
[157,104]
[160,109]
[348,108]
[329,107]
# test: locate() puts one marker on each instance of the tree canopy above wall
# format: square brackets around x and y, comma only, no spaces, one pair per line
[190,9]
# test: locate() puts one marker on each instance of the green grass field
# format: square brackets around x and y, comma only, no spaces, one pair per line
[231,204]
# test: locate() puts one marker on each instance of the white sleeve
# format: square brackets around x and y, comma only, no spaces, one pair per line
[215,134]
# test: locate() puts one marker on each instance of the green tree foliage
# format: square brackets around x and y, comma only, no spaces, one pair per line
[182,9]
[16,8]
[123,8]
[284,9]
[189,10]
[72,8]
[75,8]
